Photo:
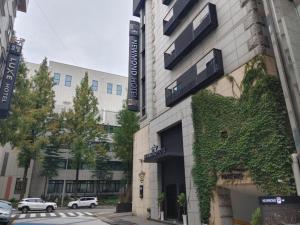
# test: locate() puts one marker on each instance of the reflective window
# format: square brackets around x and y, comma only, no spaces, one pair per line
[119,89]
[109,88]
[56,78]
[95,85]
[68,80]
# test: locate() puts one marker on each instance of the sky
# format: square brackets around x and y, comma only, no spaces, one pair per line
[87,33]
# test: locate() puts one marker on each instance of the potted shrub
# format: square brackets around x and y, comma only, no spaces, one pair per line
[160,199]
[181,201]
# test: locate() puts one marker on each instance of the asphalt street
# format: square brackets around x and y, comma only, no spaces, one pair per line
[83,216]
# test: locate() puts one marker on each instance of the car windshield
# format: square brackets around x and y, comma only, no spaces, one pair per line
[4,206]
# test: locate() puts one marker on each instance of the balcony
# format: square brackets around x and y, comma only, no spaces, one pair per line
[137,5]
[22,5]
[166,2]
[202,74]
[203,24]
[176,14]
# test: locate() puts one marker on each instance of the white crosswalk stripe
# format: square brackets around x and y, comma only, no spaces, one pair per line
[56,214]
[62,214]
[22,216]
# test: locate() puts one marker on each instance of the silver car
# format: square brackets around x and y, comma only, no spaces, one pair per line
[5,212]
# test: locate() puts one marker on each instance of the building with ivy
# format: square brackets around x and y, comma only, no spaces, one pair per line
[215,114]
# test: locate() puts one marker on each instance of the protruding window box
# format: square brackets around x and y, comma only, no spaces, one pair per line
[204,23]
[176,14]
[137,6]
[166,2]
[202,74]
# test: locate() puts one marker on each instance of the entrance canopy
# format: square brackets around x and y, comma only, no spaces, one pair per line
[160,154]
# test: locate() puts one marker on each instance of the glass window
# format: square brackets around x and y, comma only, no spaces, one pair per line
[18,186]
[56,78]
[95,85]
[109,88]
[55,186]
[119,89]
[68,80]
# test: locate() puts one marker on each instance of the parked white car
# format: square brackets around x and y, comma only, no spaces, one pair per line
[91,202]
[32,204]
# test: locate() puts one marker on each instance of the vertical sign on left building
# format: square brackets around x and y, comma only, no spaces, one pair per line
[9,78]
[133,76]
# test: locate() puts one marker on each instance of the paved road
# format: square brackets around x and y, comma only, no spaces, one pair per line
[78,216]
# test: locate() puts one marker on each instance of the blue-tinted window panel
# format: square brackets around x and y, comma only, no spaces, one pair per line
[109,88]
[56,78]
[119,89]
[68,81]
[95,85]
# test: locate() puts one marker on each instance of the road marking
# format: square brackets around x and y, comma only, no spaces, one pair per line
[52,214]
[88,213]
[32,215]
[62,214]
[22,216]
[13,215]
[71,214]
[80,214]
[43,214]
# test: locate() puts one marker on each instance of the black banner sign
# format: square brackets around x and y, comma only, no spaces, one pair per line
[133,76]
[9,78]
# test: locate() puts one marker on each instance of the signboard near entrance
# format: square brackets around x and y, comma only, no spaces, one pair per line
[280,209]
[9,78]
[133,76]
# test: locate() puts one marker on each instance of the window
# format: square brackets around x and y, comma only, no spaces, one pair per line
[18,186]
[56,78]
[55,186]
[4,164]
[109,88]
[68,80]
[119,89]
[95,85]
[83,186]
[109,186]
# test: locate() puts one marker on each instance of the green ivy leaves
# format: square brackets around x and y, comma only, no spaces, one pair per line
[250,133]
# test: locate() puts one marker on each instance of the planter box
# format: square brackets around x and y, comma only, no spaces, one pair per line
[123,207]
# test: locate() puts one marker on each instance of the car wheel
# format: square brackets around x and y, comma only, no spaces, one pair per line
[49,209]
[74,206]
[25,210]
[92,205]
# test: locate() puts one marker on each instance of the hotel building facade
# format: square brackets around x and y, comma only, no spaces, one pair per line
[185,46]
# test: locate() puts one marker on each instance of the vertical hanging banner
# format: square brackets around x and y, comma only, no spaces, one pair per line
[133,76]
[9,78]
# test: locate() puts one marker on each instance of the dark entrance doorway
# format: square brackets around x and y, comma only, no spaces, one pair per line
[172,169]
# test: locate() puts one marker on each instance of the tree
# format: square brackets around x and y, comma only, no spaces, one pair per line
[84,129]
[27,126]
[51,156]
[123,142]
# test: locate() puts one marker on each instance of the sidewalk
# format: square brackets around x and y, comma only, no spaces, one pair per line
[127,219]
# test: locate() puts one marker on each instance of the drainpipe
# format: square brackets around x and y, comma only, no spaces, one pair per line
[296,171]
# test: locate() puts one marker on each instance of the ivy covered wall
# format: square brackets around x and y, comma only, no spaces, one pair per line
[250,133]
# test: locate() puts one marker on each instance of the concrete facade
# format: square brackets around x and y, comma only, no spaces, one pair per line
[8,157]
[241,35]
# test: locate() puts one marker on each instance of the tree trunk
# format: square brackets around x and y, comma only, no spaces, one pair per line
[24,181]
[77,177]
[45,186]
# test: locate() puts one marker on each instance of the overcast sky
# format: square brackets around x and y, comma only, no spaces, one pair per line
[87,33]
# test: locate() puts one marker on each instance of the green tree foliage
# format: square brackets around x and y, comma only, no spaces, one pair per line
[123,141]
[251,134]
[51,153]
[28,124]
[84,129]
